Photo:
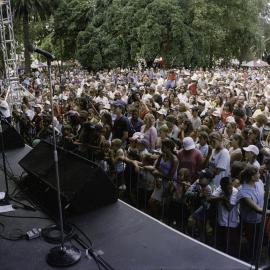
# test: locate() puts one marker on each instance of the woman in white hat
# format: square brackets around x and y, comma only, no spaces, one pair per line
[251,153]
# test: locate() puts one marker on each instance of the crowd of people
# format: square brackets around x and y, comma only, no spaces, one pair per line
[188,147]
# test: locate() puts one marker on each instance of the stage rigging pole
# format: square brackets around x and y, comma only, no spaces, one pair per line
[9,46]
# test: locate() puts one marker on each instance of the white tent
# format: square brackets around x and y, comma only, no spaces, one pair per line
[255,63]
[38,64]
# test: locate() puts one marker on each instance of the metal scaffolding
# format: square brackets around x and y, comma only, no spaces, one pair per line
[8,46]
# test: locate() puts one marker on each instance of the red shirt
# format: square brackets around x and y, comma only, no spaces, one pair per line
[224,116]
[172,76]
[240,123]
[193,89]
[192,160]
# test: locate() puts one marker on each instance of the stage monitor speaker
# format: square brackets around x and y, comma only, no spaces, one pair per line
[12,139]
[84,185]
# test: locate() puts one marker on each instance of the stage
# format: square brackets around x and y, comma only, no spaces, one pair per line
[127,238]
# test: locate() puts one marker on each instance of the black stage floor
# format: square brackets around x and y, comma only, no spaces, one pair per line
[128,238]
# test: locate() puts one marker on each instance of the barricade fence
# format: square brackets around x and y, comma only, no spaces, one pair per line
[202,219]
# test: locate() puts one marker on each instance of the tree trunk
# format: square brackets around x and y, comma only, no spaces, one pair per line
[26,41]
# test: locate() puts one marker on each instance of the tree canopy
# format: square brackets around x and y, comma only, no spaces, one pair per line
[112,33]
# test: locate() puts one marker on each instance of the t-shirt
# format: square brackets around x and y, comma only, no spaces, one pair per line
[135,126]
[203,149]
[193,89]
[221,160]
[227,218]
[256,194]
[174,133]
[192,160]
[120,126]
[196,122]
[150,135]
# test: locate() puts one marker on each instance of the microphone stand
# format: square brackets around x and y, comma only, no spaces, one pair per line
[63,255]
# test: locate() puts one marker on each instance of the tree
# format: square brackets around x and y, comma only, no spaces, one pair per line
[123,31]
[28,10]
[115,33]
[71,17]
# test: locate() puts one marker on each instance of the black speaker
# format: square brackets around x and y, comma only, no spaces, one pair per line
[12,139]
[84,185]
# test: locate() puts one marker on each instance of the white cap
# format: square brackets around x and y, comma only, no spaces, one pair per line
[230,119]
[188,143]
[252,148]
[162,111]
[216,113]
[194,77]
[38,106]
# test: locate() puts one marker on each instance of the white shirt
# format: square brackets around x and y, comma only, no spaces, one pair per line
[220,160]
[228,218]
[160,81]
[30,113]
[103,100]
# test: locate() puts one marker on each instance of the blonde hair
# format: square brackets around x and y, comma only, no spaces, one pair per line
[149,117]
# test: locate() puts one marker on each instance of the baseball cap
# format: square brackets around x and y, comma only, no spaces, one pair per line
[38,106]
[252,148]
[162,111]
[216,113]
[230,119]
[188,143]
[206,174]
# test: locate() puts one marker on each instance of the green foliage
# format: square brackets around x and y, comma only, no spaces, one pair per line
[71,17]
[112,33]
[27,11]
[190,33]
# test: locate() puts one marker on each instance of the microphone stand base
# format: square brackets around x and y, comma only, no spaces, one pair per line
[63,256]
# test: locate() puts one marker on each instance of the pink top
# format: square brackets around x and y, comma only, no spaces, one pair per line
[150,136]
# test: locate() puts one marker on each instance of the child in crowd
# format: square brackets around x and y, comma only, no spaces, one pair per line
[228,216]
[203,143]
[177,209]
[197,199]
[163,133]
[115,156]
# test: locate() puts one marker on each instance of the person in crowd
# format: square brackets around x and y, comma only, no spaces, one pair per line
[165,170]
[251,153]
[190,158]
[235,150]
[121,125]
[165,120]
[227,111]
[135,122]
[251,198]
[186,129]
[149,131]
[203,143]
[173,129]
[219,161]
[197,197]
[228,216]
[177,210]
[107,125]
[195,120]
[239,116]
[115,158]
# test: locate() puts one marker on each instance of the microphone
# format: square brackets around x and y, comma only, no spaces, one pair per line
[48,55]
